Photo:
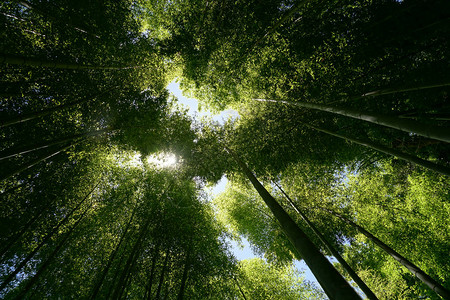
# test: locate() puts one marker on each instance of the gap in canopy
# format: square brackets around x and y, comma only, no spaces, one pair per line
[193,109]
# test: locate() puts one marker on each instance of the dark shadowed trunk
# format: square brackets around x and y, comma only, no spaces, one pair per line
[152,271]
[14,151]
[19,267]
[329,278]
[333,251]
[16,237]
[111,258]
[50,258]
[409,126]
[42,113]
[390,151]
[161,277]
[405,89]
[25,61]
[51,17]
[120,287]
[185,275]
[239,287]
[34,162]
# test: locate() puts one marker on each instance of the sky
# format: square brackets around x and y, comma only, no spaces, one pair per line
[239,253]
[192,105]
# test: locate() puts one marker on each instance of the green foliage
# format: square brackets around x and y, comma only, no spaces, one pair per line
[330,54]
[162,209]
[260,280]
[83,103]
[242,210]
[412,208]
[82,107]
[311,186]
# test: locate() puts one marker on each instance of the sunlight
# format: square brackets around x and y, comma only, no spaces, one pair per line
[127,159]
[135,160]
[163,160]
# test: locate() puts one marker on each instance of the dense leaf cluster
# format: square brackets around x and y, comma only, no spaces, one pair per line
[84,213]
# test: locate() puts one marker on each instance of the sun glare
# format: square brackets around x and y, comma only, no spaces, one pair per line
[163,160]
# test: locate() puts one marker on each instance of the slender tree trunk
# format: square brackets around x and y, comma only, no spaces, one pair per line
[130,261]
[239,287]
[329,278]
[185,275]
[429,131]
[152,272]
[161,278]
[34,162]
[120,287]
[25,61]
[116,275]
[50,258]
[40,114]
[404,89]
[16,237]
[129,275]
[333,251]
[431,116]
[19,267]
[167,289]
[390,151]
[111,258]
[425,278]
[128,271]
[51,17]
[8,153]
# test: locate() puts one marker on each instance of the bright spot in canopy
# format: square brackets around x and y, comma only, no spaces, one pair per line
[135,160]
[162,160]
[127,159]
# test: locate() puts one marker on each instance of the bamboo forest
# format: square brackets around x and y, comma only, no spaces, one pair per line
[336,154]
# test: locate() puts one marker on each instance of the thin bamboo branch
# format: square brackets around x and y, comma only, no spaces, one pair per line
[25,61]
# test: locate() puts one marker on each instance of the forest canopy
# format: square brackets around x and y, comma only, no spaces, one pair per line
[339,156]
